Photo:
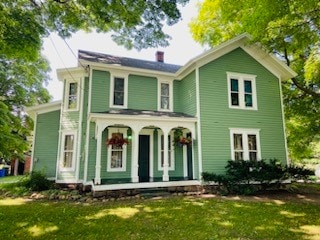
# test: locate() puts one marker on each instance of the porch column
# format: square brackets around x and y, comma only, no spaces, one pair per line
[165,176]
[135,155]
[97,178]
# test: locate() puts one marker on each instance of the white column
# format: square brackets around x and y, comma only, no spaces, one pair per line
[97,179]
[135,155]
[165,176]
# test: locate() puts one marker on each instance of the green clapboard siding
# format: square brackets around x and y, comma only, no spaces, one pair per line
[46,143]
[142,93]
[92,152]
[100,91]
[185,95]
[217,117]
[84,127]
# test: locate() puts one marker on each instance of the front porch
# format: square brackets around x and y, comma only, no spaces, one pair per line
[149,159]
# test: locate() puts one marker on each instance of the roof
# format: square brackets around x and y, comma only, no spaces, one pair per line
[255,50]
[147,113]
[127,62]
[43,108]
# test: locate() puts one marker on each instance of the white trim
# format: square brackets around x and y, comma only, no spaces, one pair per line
[70,73]
[269,61]
[144,185]
[124,150]
[61,154]
[114,75]
[241,78]
[79,150]
[85,167]
[170,83]
[172,151]
[67,92]
[43,108]
[33,141]
[198,114]
[245,132]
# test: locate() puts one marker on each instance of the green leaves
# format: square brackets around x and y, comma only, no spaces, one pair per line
[291,30]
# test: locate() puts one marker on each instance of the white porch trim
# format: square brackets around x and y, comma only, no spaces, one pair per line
[137,123]
[144,185]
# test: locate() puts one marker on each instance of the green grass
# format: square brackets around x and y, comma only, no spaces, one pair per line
[10,179]
[171,218]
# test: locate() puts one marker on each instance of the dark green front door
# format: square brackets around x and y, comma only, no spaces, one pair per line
[189,160]
[144,161]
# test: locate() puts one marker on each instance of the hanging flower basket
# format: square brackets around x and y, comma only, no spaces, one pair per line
[116,140]
[179,140]
[184,141]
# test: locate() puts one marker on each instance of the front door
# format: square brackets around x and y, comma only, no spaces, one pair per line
[189,160]
[144,161]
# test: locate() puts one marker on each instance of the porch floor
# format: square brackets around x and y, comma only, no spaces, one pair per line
[128,180]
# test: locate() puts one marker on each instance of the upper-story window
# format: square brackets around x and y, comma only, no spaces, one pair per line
[242,91]
[165,96]
[72,96]
[245,144]
[118,94]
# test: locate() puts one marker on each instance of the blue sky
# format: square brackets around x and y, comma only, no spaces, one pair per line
[182,48]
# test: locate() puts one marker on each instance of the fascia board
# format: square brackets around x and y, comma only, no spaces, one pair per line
[149,118]
[43,108]
[138,71]
[63,73]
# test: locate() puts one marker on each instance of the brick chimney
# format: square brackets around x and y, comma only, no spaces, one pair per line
[159,56]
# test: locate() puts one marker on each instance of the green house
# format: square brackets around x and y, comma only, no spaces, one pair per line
[126,123]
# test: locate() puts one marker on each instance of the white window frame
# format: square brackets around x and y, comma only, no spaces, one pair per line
[67,94]
[170,109]
[113,76]
[245,132]
[73,164]
[171,152]
[124,150]
[241,78]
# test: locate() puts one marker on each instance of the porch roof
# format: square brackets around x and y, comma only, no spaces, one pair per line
[134,112]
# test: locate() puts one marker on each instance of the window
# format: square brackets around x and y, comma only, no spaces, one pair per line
[170,152]
[68,151]
[165,103]
[245,144]
[242,91]
[118,92]
[72,96]
[165,96]
[117,154]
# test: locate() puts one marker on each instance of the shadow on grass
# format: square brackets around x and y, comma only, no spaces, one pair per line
[172,218]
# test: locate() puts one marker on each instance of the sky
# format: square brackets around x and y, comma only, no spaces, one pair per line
[182,48]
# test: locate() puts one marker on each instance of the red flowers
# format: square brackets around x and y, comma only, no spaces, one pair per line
[117,140]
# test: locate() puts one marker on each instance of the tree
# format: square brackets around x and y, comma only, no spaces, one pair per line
[21,84]
[134,23]
[24,23]
[289,29]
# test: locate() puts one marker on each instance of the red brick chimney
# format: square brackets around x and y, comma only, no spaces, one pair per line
[159,56]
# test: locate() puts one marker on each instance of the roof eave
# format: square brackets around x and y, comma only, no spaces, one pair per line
[43,108]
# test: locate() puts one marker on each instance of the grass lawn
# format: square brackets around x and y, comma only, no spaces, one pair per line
[168,218]
[10,179]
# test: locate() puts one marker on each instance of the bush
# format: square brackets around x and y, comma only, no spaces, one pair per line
[37,181]
[248,177]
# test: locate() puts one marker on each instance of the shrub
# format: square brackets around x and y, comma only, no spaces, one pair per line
[37,181]
[248,177]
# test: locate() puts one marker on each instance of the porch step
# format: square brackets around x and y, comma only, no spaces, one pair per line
[154,192]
